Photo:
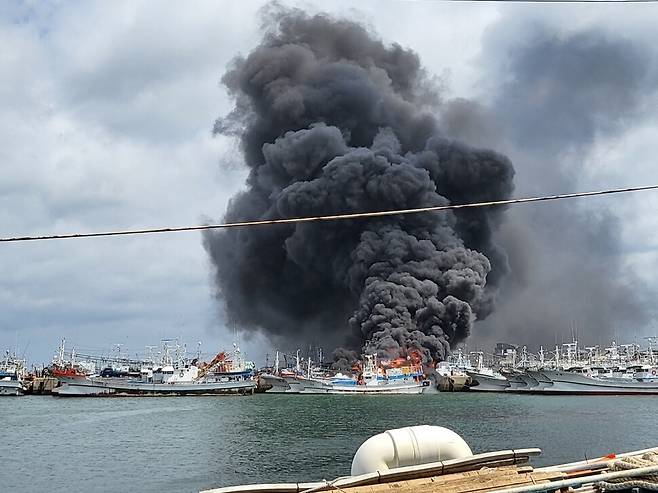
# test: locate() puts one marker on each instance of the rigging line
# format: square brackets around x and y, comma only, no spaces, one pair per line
[332,217]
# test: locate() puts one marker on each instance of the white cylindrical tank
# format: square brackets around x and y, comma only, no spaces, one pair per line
[407,447]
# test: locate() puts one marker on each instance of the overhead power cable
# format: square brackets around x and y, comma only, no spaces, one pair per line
[331,217]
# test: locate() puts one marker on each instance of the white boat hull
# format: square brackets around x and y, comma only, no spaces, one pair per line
[527,383]
[11,387]
[543,382]
[486,383]
[116,387]
[273,384]
[403,388]
[565,382]
[516,383]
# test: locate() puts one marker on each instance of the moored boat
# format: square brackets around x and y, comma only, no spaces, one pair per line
[225,374]
[386,377]
[583,382]
[451,375]
[487,381]
[12,374]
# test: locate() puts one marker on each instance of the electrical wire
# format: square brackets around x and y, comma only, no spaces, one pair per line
[331,217]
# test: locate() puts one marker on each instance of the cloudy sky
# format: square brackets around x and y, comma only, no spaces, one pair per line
[106,123]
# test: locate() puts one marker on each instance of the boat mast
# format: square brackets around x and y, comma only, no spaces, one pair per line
[60,355]
[651,340]
[557,357]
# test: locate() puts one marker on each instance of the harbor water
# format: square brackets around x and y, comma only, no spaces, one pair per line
[185,444]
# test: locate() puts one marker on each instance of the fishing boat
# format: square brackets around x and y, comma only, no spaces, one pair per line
[225,374]
[66,368]
[485,379]
[12,375]
[272,384]
[400,376]
[583,381]
[618,369]
[451,375]
[294,380]
[278,380]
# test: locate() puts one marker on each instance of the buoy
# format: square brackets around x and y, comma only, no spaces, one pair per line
[408,446]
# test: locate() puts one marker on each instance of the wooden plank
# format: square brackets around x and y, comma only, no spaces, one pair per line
[489,459]
[470,484]
[468,481]
[434,481]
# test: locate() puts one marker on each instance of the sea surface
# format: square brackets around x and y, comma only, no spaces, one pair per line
[186,444]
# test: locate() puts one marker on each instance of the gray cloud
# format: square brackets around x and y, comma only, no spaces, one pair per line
[74,163]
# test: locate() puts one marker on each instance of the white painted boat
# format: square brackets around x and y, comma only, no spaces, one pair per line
[531,384]
[543,382]
[11,387]
[411,388]
[99,387]
[292,380]
[516,383]
[487,381]
[12,373]
[572,382]
[386,378]
[273,384]
[223,375]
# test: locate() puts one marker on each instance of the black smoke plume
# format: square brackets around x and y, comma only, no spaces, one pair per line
[332,120]
[553,95]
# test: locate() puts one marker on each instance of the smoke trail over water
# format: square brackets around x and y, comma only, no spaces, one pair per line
[332,120]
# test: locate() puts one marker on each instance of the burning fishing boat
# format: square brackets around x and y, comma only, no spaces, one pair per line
[399,376]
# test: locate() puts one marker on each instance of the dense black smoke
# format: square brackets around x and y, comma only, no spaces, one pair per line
[553,96]
[332,120]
